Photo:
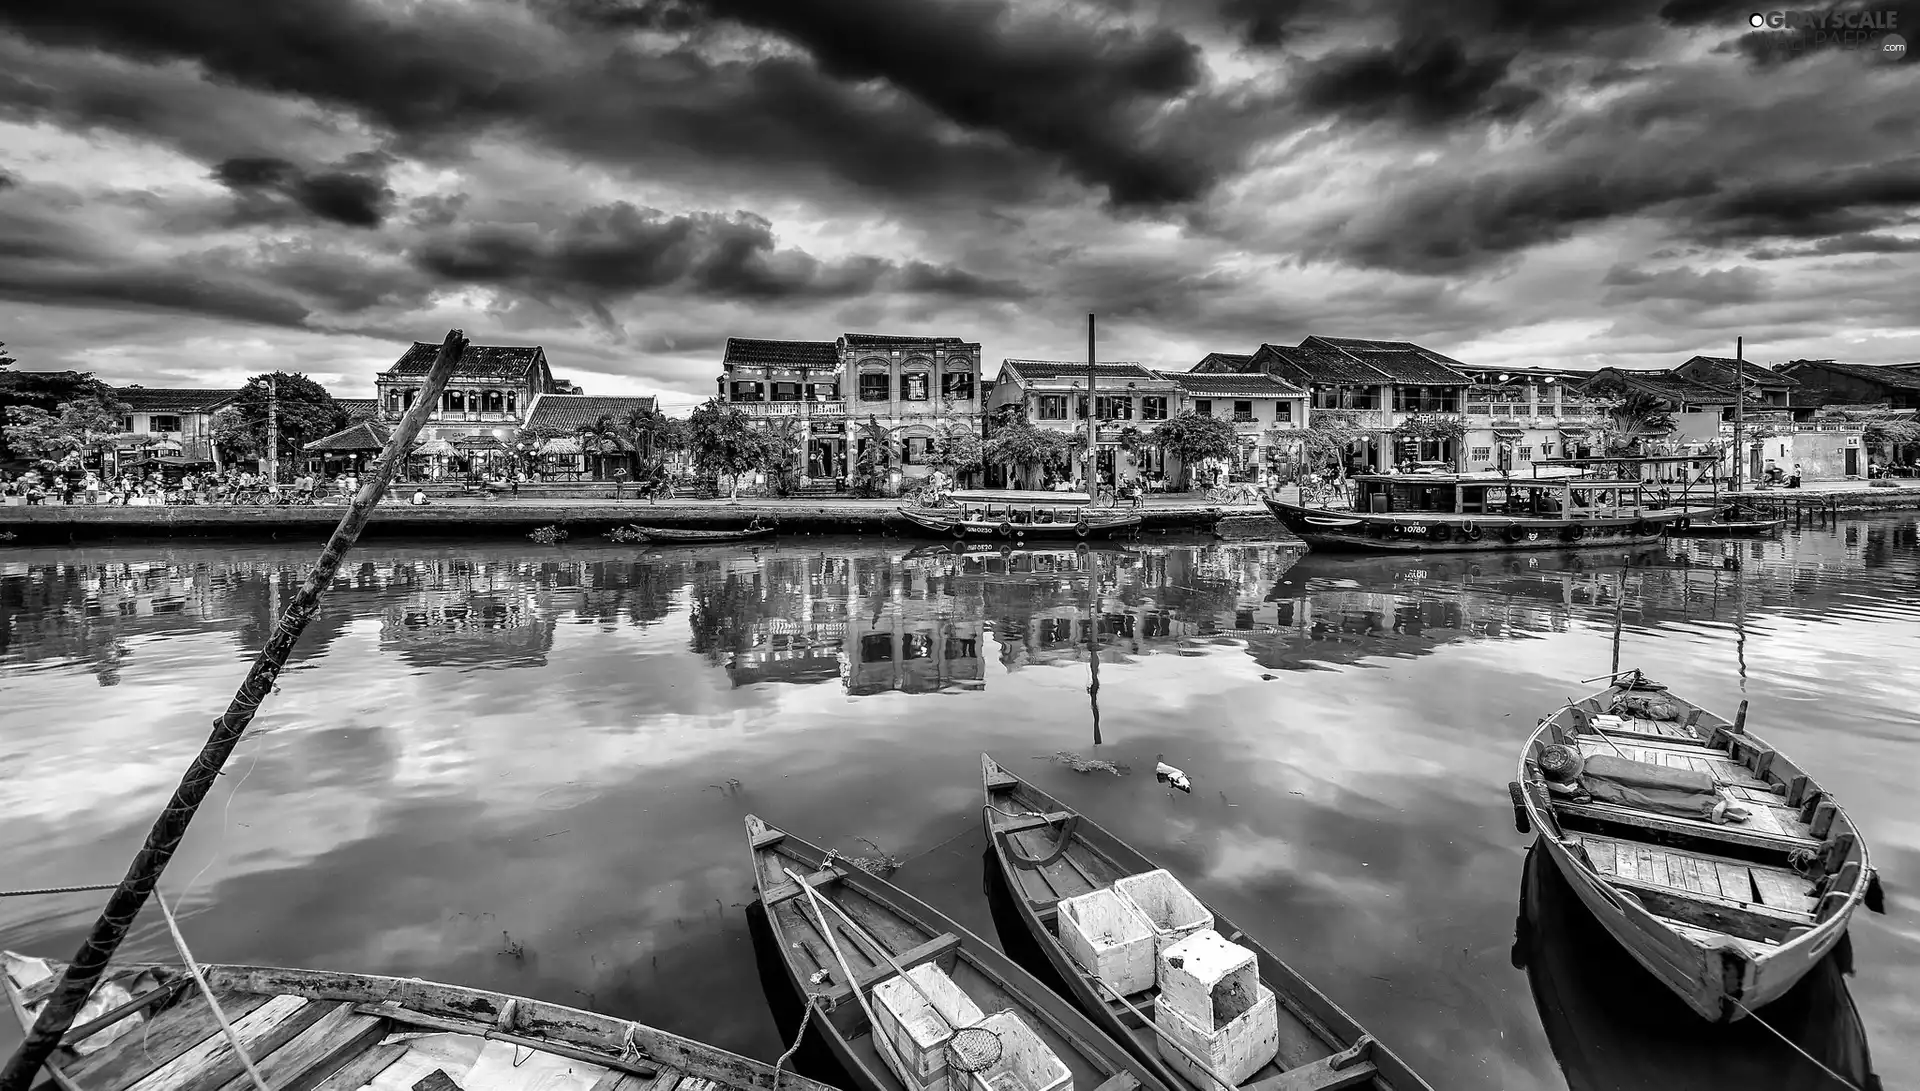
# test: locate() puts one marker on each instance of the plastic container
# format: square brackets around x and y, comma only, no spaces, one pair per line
[1211,1001]
[919,1032]
[1110,938]
[1171,911]
[1025,1064]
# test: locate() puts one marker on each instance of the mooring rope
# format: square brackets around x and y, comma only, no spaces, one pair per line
[56,890]
[814,1003]
[1815,1061]
[186,956]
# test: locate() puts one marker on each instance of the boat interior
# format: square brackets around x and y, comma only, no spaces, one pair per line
[1558,489]
[151,1028]
[1706,827]
[1067,863]
[796,924]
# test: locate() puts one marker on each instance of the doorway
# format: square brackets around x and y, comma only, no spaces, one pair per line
[1853,462]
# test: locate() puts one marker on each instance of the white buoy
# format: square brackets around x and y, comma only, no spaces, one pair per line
[1163,771]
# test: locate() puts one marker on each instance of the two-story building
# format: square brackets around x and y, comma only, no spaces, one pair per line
[173,419]
[1515,415]
[912,386]
[1382,386]
[1770,393]
[1053,394]
[1830,382]
[1697,410]
[1267,413]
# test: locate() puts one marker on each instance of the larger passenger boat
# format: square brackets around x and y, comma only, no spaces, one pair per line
[1566,504]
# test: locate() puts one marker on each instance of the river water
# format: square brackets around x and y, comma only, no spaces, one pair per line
[525,767]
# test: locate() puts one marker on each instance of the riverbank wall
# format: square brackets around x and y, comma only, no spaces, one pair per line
[58,524]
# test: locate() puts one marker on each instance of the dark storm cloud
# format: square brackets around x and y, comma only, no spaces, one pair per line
[1049,85]
[620,249]
[266,185]
[1426,82]
[1812,206]
[1712,287]
[149,288]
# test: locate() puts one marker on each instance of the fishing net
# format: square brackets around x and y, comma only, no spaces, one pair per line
[972,1049]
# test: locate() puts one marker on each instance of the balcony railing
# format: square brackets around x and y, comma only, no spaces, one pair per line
[792,409]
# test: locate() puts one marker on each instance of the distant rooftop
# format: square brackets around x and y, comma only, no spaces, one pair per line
[880,340]
[1050,370]
[148,399]
[478,362]
[563,414]
[756,351]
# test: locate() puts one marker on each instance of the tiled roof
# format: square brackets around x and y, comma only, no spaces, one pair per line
[1215,363]
[1401,361]
[1893,375]
[880,340]
[565,413]
[1050,370]
[1663,384]
[1305,364]
[753,350]
[1718,371]
[482,362]
[1230,385]
[1364,344]
[146,399]
[358,408]
[366,435]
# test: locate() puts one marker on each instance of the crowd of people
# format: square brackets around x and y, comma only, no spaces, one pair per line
[71,484]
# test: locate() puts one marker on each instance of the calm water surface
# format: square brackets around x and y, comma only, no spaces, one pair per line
[525,767]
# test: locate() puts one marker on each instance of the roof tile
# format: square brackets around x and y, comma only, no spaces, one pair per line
[1051,370]
[565,413]
[366,435]
[753,351]
[478,362]
[1230,385]
[146,399]
[878,340]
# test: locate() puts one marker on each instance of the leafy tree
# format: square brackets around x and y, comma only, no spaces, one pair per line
[1023,444]
[602,437]
[1440,427]
[1328,437]
[306,411]
[1192,438]
[780,459]
[876,452]
[724,442]
[958,448]
[79,425]
[44,390]
[651,434]
[233,435]
[6,359]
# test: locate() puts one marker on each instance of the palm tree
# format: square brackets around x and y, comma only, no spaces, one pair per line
[600,437]
[1638,417]
[877,448]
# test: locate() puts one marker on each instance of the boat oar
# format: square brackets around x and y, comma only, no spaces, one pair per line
[1603,735]
[1226,1084]
[143,874]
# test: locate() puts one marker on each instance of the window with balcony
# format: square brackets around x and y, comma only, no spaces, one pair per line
[823,392]
[873,386]
[1052,406]
[396,402]
[786,392]
[455,401]
[493,401]
[1346,397]
[748,392]
[1243,412]
[957,385]
[1426,399]
[1203,406]
[916,451]
[1116,407]
[163,422]
[1152,408]
[513,403]
[913,386]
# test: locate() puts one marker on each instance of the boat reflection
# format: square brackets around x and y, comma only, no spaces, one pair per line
[1613,1026]
[814,1058]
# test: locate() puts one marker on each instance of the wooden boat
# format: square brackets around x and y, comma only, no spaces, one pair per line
[1612,1026]
[681,536]
[1423,513]
[149,1028]
[1726,913]
[1018,517]
[1050,852]
[1731,521]
[912,933]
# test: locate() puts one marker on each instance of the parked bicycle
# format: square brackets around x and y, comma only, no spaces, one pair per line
[1237,493]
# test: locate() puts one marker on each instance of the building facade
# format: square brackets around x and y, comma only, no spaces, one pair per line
[1267,414]
[488,398]
[824,392]
[1517,415]
[174,420]
[1830,382]
[1053,394]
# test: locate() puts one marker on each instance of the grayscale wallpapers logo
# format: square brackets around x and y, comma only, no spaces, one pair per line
[1811,29]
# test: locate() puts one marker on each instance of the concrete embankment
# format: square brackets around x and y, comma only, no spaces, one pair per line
[56,524]
[1856,496]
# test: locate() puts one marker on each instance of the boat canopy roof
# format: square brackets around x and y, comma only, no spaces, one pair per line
[1020,496]
[1621,459]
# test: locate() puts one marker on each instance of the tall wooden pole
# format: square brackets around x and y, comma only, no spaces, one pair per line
[1739,412]
[1093,435]
[273,431]
[77,982]
[1619,614]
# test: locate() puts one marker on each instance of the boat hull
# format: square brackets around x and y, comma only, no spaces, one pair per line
[1737,528]
[1365,532]
[935,521]
[1721,977]
[701,537]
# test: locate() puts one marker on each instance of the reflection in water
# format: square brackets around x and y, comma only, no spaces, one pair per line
[558,743]
[1613,1025]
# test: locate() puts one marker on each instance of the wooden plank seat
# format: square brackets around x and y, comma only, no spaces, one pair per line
[1348,1068]
[929,951]
[790,889]
[1776,889]
[1033,822]
[1764,830]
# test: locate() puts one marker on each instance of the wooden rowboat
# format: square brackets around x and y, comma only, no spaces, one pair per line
[149,1028]
[890,928]
[700,537]
[1020,526]
[1640,815]
[1048,852]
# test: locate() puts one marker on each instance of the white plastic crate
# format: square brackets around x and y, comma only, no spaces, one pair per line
[1208,980]
[1235,1051]
[1025,1064]
[919,1032]
[1110,938]
[1171,911]
[1609,722]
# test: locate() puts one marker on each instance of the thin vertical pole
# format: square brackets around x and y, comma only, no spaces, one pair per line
[124,904]
[1739,412]
[1093,639]
[1093,377]
[1619,614]
[273,431]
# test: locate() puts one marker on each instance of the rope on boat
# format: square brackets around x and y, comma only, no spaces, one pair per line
[233,1036]
[1815,1061]
[815,1002]
[56,890]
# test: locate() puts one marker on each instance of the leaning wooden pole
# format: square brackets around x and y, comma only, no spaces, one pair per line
[124,904]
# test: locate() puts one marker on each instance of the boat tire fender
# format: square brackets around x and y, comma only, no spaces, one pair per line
[1438,532]
[1514,533]
[1876,899]
[1471,533]
[1519,808]
[1645,527]
[1576,532]
[960,529]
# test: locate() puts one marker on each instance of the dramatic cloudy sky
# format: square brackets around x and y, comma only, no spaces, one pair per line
[196,190]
